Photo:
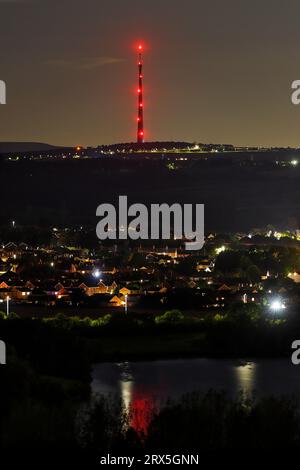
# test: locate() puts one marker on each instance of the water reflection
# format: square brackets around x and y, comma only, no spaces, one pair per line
[138,406]
[126,393]
[245,377]
[143,386]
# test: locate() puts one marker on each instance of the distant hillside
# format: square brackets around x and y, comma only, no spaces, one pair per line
[163,146]
[129,146]
[8,147]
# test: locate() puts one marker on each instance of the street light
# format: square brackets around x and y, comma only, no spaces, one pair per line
[277,305]
[126,305]
[96,273]
[7,304]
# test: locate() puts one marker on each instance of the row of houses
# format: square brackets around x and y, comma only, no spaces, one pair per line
[75,291]
[73,279]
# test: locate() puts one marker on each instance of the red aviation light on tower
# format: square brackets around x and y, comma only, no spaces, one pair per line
[140,115]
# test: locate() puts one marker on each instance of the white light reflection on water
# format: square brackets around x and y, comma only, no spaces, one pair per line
[143,386]
[245,378]
[163,379]
[125,384]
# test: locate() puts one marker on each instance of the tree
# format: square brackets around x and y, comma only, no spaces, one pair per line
[253,273]
[170,317]
[240,312]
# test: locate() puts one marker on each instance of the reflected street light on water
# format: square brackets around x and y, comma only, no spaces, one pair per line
[126,393]
[245,374]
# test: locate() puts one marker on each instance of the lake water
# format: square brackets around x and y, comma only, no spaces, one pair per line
[145,386]
[162,379]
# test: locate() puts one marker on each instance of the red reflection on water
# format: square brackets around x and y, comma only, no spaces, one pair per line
[141,414]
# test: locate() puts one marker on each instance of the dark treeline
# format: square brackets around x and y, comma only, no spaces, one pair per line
[62,428]
[64,345]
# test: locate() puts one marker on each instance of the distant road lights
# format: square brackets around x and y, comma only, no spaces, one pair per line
[294,162]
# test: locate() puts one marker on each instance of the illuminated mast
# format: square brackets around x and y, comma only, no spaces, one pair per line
[140,118]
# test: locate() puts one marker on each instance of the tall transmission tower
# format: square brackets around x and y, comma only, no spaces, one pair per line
[140,114]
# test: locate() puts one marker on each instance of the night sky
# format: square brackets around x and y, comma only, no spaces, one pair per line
[215,71]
